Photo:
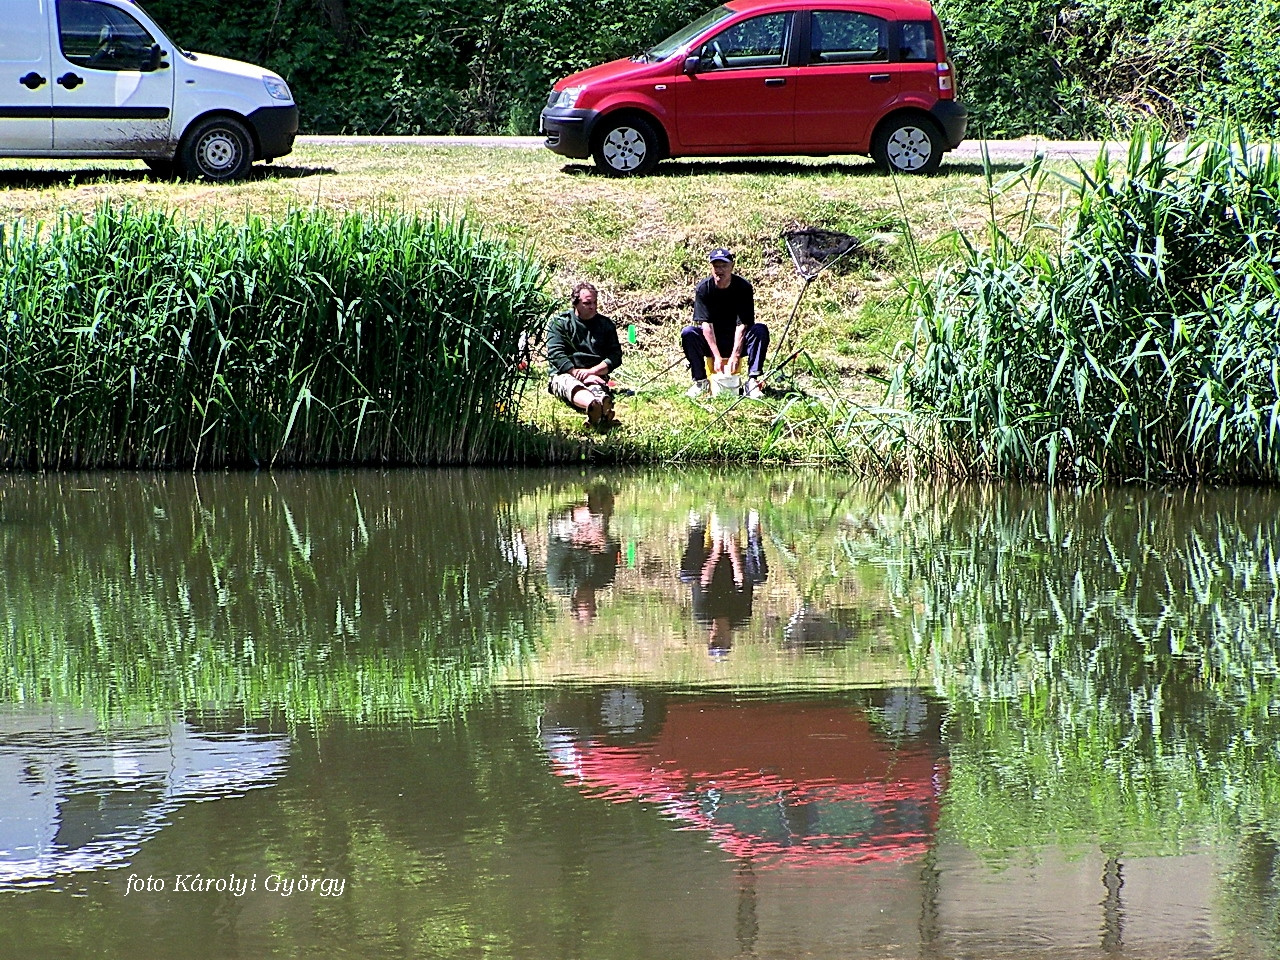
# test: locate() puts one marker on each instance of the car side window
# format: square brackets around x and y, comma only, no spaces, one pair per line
[842,36]
[100,37]
[917,43]
[758,42]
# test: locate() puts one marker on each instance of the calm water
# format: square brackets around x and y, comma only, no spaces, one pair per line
[635,715]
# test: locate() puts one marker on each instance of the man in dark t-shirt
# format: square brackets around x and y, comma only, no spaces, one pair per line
[582,555]
[722,576]
[724,328]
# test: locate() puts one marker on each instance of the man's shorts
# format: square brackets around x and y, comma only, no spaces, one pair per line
[563,386]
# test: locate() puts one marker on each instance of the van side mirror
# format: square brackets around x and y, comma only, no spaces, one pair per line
[155,59]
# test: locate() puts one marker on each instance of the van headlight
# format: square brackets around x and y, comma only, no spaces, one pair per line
[565,99]
[277,88]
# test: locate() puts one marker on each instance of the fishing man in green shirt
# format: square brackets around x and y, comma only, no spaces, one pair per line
[582,350]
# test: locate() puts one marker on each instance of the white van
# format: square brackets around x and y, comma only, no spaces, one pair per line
[98,78]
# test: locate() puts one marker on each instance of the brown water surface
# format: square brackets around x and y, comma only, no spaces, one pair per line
[695,714]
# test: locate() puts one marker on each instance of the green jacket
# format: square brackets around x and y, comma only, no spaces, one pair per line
[572,342]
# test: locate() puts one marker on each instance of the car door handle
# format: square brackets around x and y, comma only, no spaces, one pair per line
[33,80]
[70,80]
[775,82]
[879,78]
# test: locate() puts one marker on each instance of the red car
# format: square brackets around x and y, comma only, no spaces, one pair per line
[756,77]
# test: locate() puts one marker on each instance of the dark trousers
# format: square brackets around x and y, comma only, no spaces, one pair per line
[696,349]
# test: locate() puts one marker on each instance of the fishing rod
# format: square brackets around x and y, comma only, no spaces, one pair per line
[727,410]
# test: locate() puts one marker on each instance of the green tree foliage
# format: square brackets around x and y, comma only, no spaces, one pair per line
[1094,68]
[1059,68]
[422,66]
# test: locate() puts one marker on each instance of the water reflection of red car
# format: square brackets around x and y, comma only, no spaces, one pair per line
[779,783]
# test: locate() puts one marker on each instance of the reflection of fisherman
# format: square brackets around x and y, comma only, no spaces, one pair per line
[582,556]
[722,576]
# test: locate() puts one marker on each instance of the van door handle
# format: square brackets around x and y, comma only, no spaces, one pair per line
[879,78]
[776,82]
[70,80]
[32,80]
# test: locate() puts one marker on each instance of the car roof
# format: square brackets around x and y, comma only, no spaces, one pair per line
[899,9]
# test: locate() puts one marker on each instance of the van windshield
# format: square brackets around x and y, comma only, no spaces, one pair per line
[682,36]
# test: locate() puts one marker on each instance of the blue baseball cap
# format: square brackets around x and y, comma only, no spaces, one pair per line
[720,253]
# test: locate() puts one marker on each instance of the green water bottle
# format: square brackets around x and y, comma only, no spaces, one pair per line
[631,334]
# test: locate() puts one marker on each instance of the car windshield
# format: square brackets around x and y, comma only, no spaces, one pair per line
[681,37]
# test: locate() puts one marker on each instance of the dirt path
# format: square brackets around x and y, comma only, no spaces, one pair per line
[1023,149]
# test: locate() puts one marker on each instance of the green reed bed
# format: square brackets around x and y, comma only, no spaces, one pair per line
[1140,340]
[139,338]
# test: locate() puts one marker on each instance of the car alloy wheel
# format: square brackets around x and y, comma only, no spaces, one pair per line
[625,149]
[909,149]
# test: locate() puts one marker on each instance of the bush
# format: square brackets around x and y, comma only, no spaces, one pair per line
[1095,68]
[422,66]
[1059,68]
[136,339]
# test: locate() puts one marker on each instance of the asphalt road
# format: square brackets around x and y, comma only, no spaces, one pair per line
[970,150]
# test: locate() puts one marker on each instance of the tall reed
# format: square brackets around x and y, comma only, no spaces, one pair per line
[1139,340]
[137,338]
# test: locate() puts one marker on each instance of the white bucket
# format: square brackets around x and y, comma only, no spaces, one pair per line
[725,383]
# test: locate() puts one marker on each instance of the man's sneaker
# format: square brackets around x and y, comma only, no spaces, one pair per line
[752,389]
[700,388]
[595,412]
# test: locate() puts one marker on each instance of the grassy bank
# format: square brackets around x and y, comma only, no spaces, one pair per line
[1047,322]
[643,243]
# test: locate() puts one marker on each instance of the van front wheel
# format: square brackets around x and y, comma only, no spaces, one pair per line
[627,147]
[217,149]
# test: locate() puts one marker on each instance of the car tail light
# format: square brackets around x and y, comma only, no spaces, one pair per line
[946,82]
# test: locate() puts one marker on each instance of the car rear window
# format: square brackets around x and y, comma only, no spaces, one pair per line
[917,42]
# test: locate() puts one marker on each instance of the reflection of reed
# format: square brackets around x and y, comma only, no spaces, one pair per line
[1109,657]
[1126,588]
[355,594]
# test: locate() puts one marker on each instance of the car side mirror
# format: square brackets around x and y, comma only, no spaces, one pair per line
[693,64]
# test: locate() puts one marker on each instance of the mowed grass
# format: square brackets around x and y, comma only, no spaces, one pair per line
[643,243]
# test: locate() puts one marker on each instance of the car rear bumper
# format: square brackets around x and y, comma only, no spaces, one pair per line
[953,118]
[568,132]
[275,129]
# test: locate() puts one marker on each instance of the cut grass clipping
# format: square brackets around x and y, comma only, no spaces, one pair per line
[136,338]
